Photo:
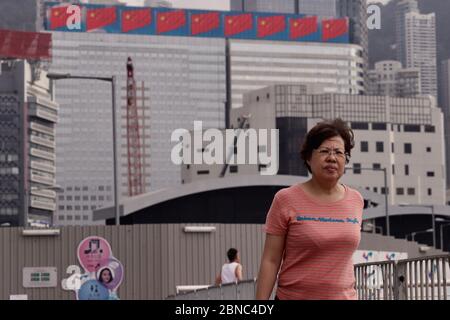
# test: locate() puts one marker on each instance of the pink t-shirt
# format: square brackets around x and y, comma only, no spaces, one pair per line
[320,241]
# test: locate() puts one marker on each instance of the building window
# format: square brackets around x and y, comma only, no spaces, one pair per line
[262,148]
[408,148]
[101,198]
[77,198]
[69,208]
[93,207]
[260,166]
[430,174]
[378,126]
[85,218]
[60,197]
[101,188]
[69,218]
[383,190]
[357,168]
[77,208]
[188,166]
[93,198]
[60,207]
[376,166]
[360,125]
[61,218]
[69,198]
[85,188]
[364,146]
[428,149]
[199,172]
[406,170]
[411,191]
[430,192]
[85,198]
[393,169]
[411,127]
[392,147]
[380,146]
[375,189]
[85,208]
[400,191]
[77,218]
[430,128]
[233,169]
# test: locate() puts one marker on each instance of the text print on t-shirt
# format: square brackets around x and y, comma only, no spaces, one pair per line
[321,219]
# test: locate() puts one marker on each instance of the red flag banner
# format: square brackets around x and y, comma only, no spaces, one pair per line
[100,18]
[170,20]
[334,28]
[58,17]
[237,23]
[204,22]
[25,45]
[270,25]
[302,27]
[135,19]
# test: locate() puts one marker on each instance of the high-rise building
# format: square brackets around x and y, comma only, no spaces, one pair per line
[416,43]
[356,11]
[256,64]
[179,80]
[403,135]
[324,8]
[28,114]
[286,6]
[388,78]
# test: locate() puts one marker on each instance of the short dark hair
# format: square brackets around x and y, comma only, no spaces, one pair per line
[232,254]
[325,130]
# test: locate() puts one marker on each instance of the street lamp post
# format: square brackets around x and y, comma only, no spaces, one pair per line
[433,222]
[413,234]
[112,80]
[386,209]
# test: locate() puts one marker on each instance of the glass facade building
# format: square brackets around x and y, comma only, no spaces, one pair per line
[257,64]
[179,80]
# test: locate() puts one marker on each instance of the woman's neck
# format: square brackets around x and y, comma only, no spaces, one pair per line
[321,187]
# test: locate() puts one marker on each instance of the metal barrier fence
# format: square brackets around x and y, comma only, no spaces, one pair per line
[411,279]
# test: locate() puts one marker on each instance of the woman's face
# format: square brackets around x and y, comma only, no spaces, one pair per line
[106,276]
[328,161]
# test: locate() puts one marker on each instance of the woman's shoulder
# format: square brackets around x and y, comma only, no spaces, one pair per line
[355,195]
[287,193]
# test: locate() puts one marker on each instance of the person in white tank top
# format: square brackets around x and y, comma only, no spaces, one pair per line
[232,271]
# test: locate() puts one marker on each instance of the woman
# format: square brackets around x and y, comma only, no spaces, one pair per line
[105,276]
[313,228]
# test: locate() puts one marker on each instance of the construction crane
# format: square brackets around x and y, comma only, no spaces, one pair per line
[242,121]
[135,172]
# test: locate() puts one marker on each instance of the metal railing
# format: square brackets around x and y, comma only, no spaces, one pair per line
[426,278]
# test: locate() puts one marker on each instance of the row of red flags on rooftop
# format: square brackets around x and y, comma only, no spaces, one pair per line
[233,24]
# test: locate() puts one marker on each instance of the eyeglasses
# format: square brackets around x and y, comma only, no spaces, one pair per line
[328,152]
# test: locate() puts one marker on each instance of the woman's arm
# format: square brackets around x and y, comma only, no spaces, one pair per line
[270,264]
[238,272]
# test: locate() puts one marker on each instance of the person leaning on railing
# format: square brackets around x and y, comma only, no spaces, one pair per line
[313,229]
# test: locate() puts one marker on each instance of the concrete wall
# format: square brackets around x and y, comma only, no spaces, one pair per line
[156,257]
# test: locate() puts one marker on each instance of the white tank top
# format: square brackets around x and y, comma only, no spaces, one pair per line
[228,272]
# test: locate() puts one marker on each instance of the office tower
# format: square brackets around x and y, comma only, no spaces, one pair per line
[324,8]
[28,115]
[256,64]
[388,78]
[183,80]
[286,6]
[416,41]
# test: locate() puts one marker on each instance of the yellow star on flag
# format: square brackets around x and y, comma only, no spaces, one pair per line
[163,18]
[230,21]
[296,24]
[56,13]
[327,25]
[263,23]
[92,15]
[196,19]
[128,17]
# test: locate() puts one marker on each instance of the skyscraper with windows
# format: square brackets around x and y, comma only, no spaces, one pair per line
[416,43]
[28,114]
